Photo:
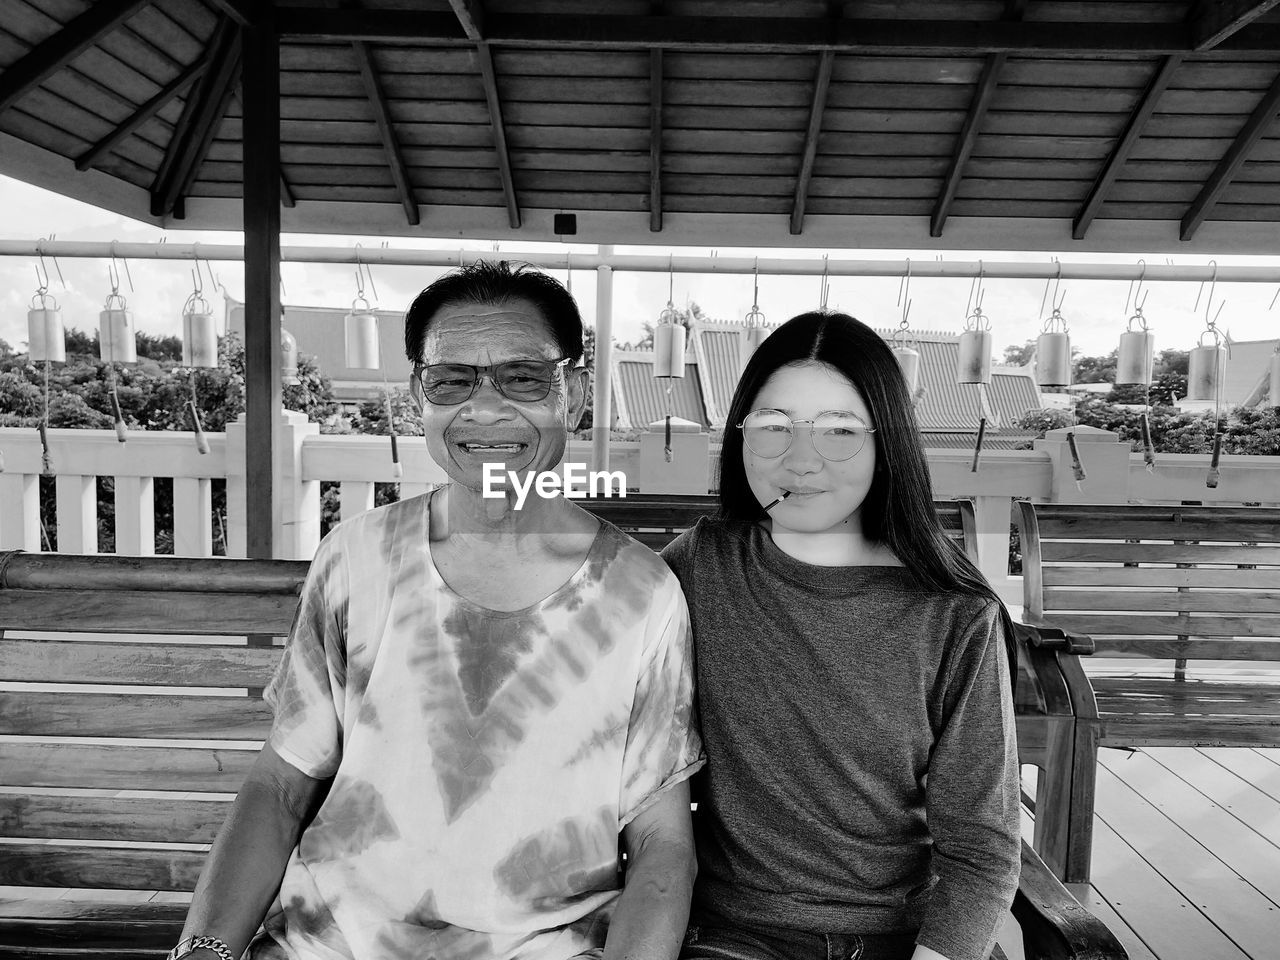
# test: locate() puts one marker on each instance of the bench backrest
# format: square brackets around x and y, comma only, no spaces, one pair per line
[1178,583]
[125,734]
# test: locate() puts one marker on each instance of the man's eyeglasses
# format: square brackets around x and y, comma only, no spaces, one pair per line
[448,384]
[836,436]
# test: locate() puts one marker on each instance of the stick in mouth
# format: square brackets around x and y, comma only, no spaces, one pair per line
[770,506]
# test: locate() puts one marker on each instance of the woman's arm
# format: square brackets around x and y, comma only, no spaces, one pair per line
[244,868]
[653,911]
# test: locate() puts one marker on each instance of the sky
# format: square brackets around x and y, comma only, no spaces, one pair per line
[1095,310]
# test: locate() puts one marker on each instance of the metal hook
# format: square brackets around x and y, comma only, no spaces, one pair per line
[824,290]
[42,282]
[1132,293]
[905,283]
[671,279]
[973,307]
[1213,283]
[755,291]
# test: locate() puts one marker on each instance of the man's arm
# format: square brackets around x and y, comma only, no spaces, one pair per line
[244,868]
[653,910]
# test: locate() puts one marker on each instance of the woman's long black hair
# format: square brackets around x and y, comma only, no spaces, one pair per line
[898,509]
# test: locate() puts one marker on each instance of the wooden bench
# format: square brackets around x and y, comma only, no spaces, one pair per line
[1180,607]
[129,734]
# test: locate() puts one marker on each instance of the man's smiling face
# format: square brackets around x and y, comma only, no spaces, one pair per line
[488,427]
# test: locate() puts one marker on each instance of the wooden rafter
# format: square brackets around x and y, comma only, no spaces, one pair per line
[490,79]
[382,116]
[243,12]
[471,16]
[1261,118]
[49,56]
[978,106]
[144,112]
[207,103]
[1213,21]
[817,107]
[1124,146]
[766,34]
[655,140]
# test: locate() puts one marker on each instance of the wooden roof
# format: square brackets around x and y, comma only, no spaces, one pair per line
[1034,124]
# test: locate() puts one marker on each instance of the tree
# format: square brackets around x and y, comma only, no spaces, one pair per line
[1015,356]
[1096,369]
[685,317]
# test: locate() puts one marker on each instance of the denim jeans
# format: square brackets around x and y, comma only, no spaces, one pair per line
[712,937]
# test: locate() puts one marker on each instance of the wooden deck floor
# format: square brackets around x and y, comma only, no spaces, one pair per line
[1186,852]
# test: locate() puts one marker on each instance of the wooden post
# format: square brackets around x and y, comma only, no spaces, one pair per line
[262,281]
[602,407]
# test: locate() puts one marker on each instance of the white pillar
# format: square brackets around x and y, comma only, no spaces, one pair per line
[77,513]
[192,517]
[136,516]
[299,499]
[602,409]
[354,497]
[237,490]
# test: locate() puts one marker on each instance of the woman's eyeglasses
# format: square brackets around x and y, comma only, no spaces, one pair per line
[836,436]
[448,384]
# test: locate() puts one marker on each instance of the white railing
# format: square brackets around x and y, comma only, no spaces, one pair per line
[357,464]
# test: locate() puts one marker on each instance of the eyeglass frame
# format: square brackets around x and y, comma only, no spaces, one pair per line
[812,422]
[482,370]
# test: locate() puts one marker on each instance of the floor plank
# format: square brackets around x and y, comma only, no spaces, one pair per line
[1250,765]
[1271,753]
[1170,925]
[1097,904]
[1228,790]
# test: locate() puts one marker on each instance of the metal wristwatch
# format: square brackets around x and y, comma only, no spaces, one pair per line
[191,944]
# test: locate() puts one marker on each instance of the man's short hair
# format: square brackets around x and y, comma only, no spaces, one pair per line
[487,281]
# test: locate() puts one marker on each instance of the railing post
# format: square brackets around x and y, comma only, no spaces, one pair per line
[992,517]
[299,533]
[1105,462]
[237,490]
[354,498]
[686,471]
[192,517]
[136,516]
[77,513]
[19,511]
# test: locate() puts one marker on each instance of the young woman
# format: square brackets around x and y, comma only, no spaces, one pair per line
[860,798]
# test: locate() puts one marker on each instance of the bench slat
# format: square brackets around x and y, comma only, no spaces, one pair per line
[1164,648]
[58,571]
[118,767]
[135,819]
[174,665]
[1179,625]
[1120,526]
[150,926]
[25,713]
[1188,698]
[114,868]
[1168,730]
[1194,600]
[1118,576]
[137,611]
[1092,552]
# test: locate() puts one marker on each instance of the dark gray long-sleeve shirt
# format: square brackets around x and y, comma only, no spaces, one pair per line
[862,769]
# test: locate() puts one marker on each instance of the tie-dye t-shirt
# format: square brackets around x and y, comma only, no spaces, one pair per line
[483,762]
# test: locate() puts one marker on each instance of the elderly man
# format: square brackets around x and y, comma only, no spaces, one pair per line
[475,699]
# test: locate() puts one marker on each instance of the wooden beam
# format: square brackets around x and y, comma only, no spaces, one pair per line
[191,139]
[1213,21]
[144,112]
[51,55]
[655,140]
[471,16]
[245,13]
[764,34]
[262,284]
[382,115]
[978,106]
[1124,146]
[817,107]
[485,56]
[1261,118]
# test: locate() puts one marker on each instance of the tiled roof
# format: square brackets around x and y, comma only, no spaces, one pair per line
[644,398]
[717,346]
[1248,372]
[947,405]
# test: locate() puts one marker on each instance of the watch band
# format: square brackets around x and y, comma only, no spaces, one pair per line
[189,945]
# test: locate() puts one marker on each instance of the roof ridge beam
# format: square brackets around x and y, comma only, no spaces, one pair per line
[817,108]
[1213,22]
[206,105]
[52,54]
[1124,146]
[382,115]
[1263,115]
[988,80]
[144,112]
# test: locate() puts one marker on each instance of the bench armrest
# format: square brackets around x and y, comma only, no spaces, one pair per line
[1049,637]
[1054,924]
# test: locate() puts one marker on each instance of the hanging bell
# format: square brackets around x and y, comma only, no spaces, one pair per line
[199,335]
[116,342]
[750,337]
[288,358]
[1274,396]
[1135,357]
[45,339]
[909,362]
[1206,370]
[974,365]
[361,326]
[668,349]
[1053,360]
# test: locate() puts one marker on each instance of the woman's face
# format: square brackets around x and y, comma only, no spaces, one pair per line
[824,493]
